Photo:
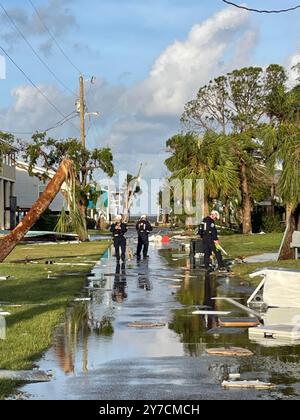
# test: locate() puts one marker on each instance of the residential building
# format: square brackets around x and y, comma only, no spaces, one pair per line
[29,188]
[7,190]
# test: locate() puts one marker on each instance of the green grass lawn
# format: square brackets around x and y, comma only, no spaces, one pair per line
[99,232]
[245,246]
[43,301]
[243,270]
[240,245]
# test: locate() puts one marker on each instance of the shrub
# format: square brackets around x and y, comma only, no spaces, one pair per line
[91,224]
[47,222]
[272,224]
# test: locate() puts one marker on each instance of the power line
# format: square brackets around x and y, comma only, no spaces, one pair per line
[249,9]
[53,38]
[35,52]
[35,86]
[58,124]
[62,122]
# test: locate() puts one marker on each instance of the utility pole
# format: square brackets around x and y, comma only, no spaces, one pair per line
[82,111]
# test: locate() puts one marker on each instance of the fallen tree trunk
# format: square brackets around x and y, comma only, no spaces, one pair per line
[293,223]
[8,243]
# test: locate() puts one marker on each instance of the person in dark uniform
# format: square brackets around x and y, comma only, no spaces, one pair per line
[209,234]
[143,228]
[118,230]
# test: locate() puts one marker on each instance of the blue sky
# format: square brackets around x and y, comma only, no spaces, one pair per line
[147,59]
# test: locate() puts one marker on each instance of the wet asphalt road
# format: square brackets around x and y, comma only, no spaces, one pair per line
[169,363]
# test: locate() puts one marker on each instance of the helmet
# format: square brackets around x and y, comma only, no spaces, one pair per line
[143,216]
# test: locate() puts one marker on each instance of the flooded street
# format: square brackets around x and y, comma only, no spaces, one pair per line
[96,355]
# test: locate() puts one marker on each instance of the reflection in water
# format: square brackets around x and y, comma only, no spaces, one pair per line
[143,275]
[82,321]
[210,291]
[199,331]
[76,328]
[91,327]
[195,293]
[120,284]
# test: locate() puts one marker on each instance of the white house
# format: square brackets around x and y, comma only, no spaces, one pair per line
[7,190]
[28,188]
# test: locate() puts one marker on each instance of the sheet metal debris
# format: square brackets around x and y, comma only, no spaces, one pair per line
[231,351]
[248,385]
[211,313]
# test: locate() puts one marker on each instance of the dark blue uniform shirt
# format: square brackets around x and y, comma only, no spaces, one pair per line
[208,230]
[118,232]
[143,226]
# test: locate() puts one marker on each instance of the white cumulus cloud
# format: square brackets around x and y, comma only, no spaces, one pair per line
[213,47]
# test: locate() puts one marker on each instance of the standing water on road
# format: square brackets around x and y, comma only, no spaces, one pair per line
[97,355]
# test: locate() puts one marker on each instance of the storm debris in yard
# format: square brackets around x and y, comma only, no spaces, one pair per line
[231,351]
[2,313]
[25,376]
[4,278]
[210,313]
[82,300]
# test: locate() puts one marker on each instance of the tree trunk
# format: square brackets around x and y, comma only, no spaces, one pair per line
[82,205]
[83,202]
[293,221]
[246,202]
[227,214]
[8,243]
[206,206]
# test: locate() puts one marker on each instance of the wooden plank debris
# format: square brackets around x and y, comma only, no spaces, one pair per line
[238,322]
[231,351]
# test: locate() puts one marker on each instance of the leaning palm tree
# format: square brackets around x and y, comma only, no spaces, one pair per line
[284,140]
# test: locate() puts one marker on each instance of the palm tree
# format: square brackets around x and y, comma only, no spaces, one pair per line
[284,141]
[209,158]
